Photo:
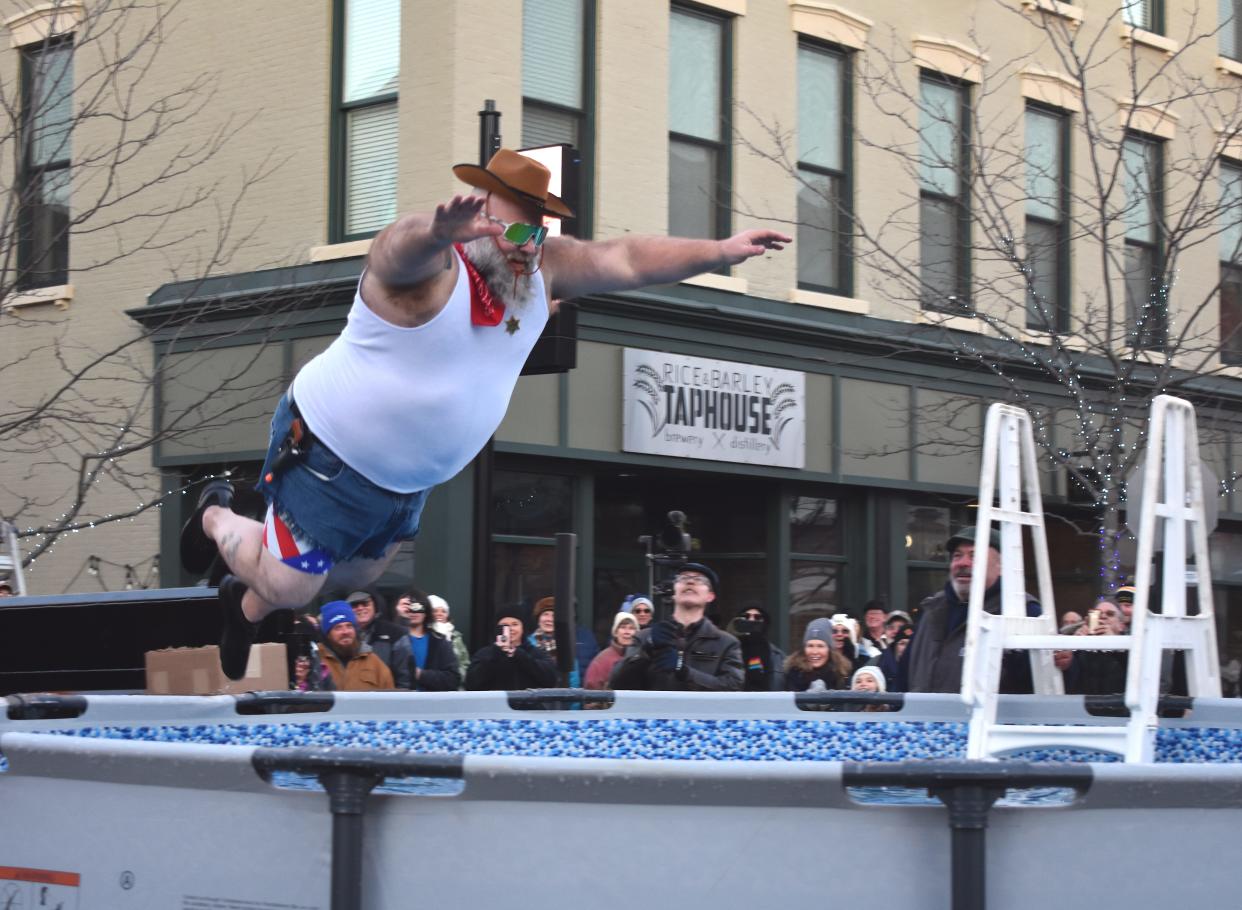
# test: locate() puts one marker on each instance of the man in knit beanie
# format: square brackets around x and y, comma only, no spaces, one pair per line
[353,666]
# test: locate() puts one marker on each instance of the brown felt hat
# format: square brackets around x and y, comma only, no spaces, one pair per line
[521,179]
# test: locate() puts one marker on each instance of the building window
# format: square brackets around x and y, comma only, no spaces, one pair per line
[528,510]
[816,563]
[698,107]
[1231,263]
[553,71]
[44,178]
[558,84]
[1230,28]
[944,199]
[368,43]
[1145,14]
[824,191]
[1047,232]
[1146,296]
[927,529]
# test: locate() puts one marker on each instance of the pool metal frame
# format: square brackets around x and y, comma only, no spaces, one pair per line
[781,815]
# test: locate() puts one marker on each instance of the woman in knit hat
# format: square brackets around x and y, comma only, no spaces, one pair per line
[642,608]
[544,636]
[816,666]
[624,628]
[442,624]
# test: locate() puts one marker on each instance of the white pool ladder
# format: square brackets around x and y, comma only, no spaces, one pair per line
[1009,448]
[1008,451]
[1172,492]
[11,558]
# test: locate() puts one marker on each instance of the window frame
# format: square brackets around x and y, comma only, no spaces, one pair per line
[960,202]
[1153,19]
[586,118]
[30,175]
[338,155]
[1232,28]
[838,561]
[1230,347]
[845,214]
[1154,248]
[1230,351]
[724,173]
[1063,305]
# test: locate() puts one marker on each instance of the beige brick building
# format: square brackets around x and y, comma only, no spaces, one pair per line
[987,198]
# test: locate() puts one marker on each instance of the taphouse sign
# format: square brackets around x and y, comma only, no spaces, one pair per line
[691,407]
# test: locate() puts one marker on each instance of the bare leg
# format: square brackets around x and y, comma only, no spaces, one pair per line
[358,573]
[272,584]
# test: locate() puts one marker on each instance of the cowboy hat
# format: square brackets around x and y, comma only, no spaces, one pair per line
[521,179]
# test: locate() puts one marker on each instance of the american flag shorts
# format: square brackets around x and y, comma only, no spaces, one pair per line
[290,549]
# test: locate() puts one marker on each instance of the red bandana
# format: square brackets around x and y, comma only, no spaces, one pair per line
[485,307]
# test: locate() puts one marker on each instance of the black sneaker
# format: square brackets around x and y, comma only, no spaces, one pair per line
[197,549]
[237,633]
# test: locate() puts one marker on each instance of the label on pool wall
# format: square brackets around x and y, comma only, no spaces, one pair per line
[201,902]
[38,889]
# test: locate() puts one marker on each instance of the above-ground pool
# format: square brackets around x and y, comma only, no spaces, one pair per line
[701,800]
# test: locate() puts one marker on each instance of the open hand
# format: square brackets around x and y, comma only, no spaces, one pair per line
[461,220]
[743,246]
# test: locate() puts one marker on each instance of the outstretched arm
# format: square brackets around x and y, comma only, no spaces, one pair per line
[626,263]
[414,248]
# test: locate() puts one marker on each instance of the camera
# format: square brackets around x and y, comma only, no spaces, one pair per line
[666,551]
[744,627]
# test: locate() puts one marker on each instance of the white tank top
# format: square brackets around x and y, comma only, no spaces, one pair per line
[410,407]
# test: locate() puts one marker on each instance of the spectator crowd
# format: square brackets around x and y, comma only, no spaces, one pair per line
[350,645]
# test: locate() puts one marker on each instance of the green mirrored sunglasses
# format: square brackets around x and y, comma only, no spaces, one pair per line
[518,232]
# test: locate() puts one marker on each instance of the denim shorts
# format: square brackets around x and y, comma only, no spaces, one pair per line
[329,504]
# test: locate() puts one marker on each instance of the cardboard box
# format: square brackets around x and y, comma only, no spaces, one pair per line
[196,671]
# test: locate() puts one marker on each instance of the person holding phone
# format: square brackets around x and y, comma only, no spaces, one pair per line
[510,662]
[1098,672]
[432,665]
[764,661]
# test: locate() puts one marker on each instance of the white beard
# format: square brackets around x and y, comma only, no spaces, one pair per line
[513,290]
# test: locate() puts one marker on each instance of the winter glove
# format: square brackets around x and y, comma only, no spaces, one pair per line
[665,659]
[664,634]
